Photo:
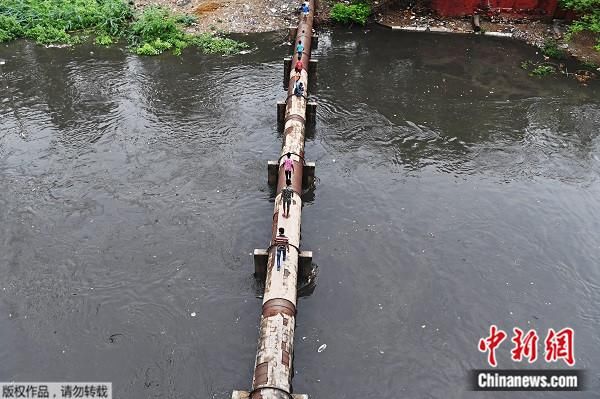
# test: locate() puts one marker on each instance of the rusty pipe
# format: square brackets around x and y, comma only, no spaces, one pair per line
[272,377]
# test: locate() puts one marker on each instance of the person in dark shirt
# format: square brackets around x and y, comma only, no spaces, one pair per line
[299,89]
[282,243]
[287,193]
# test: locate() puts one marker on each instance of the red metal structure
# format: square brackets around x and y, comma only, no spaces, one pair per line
[514,8]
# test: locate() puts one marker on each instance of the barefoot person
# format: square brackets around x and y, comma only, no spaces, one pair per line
[305,8]
[288,166]
[299,88]
[281,241]
[300,49]
[287,193]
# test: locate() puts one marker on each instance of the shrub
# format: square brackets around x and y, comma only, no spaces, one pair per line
[53,21]
[590,17]
[9,28]
[526,65]
[154,23]
[151,32]
[156,30]
[542,70]
[49,35]
[186,19]
[214,44]
[551,50]
[350,13]
[536,69]
[104,39]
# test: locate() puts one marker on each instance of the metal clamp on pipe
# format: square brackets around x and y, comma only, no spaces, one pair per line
[293,95]
[288,394]
[277,245]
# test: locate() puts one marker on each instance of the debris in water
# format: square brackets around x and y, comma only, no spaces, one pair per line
[322,348]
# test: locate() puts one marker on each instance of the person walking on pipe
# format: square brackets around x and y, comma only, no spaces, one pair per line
[287,193]
[300,49]
[282,243]
[288,166]
[305,9]
[298,89]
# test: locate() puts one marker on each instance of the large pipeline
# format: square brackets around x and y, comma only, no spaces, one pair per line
[273,369]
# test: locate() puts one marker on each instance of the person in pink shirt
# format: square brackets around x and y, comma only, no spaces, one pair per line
[288,166]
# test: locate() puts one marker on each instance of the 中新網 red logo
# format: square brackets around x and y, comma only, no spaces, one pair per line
[558,345]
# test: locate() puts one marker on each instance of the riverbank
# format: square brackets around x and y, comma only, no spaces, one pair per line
[231,16]
[534,32]
[237,16]
[203,23]
[149,30]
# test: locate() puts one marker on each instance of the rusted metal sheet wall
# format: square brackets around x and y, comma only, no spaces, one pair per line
[516,8]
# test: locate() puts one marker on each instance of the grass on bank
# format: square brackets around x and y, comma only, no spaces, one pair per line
[589,17]
[552,50]
[539,70]
[150,32]
[353,13]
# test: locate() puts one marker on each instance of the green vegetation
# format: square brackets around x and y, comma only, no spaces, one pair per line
[590,64]
[351,13]
[537,69]
[542,70]
[150,32]
[156,30]
[551,50]
[210,44]
[526,65]
[589,19]
[56,21]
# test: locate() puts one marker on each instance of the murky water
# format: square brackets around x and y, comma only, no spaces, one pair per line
[454,192]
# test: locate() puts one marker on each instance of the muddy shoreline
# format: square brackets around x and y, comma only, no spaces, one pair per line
[534,32]
[253,16]
[231,16]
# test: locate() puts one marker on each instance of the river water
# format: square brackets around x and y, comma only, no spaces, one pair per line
[454,192]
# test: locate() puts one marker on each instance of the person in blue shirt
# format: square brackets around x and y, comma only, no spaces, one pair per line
[305,9]
[300,49]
